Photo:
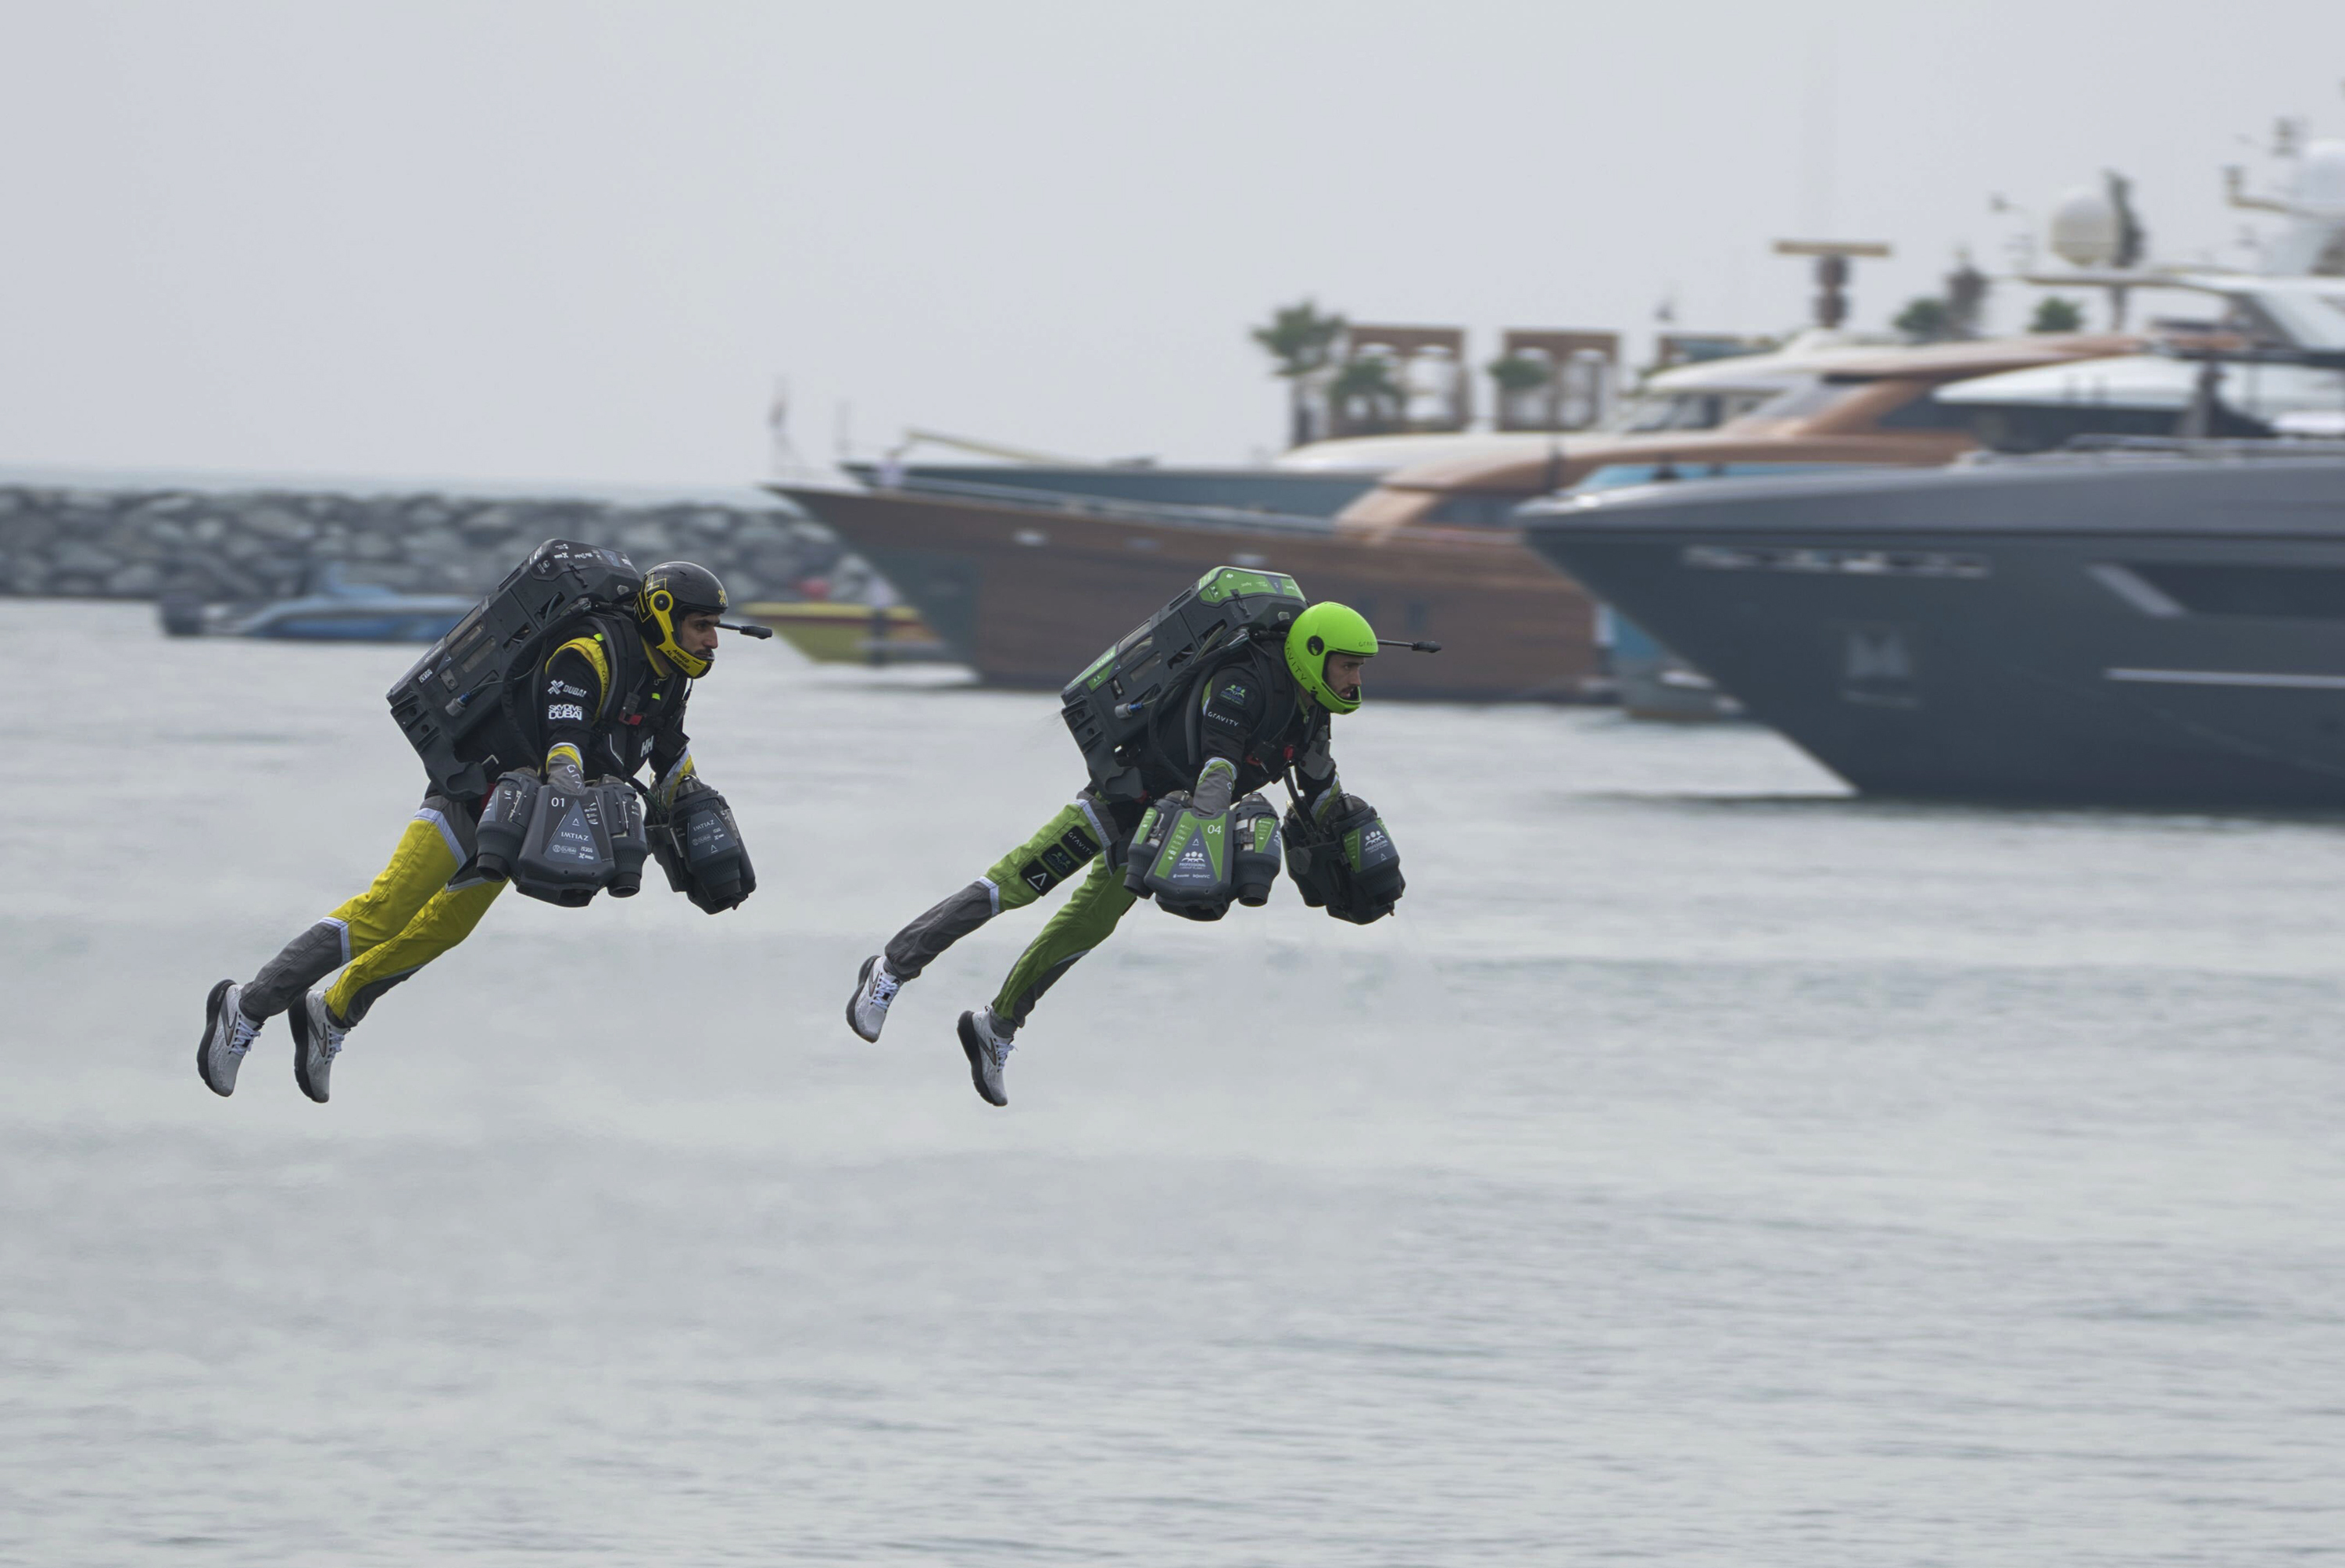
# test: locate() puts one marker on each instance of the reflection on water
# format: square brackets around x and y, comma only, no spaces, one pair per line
[1702,1167]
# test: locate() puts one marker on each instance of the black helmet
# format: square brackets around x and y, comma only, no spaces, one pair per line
[673,590]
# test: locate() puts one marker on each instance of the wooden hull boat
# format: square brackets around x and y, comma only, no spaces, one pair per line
[1027,590]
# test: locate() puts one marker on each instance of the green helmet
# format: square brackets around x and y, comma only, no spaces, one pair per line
[1327,629]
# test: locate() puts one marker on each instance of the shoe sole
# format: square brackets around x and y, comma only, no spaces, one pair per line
[971,1048]
[299,1016]
[204,1045]
[862,978]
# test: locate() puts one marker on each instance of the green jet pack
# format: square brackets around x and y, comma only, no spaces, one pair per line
[1112,707]
[1193,865]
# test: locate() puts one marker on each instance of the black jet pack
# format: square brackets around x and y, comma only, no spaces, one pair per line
[464,705]
[1348,865]
[560,844]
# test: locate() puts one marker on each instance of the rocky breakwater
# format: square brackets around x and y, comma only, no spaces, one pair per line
[217,540]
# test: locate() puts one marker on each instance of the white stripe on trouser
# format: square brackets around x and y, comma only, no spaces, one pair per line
[1083,804]
[991,893]
[342,930]
[447,833]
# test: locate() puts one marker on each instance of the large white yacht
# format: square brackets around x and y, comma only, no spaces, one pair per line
[2274,364]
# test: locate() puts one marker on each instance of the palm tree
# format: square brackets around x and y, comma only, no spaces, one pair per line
[1366,379]
[1520,373]
[1967,292]
[2053,314]
[1924,319]
[1516,374]
[1302,340]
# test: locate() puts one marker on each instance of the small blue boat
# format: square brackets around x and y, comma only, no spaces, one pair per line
[335,611]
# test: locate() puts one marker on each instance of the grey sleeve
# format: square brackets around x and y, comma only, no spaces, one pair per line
[1316,766]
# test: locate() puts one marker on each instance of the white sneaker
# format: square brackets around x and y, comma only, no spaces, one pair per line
[875,988]
[988,1049]
[228,1035]
[316,1041]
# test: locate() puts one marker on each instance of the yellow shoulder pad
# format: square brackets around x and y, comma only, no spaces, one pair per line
[592,649]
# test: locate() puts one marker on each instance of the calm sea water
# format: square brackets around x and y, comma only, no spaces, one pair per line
[1705,1167]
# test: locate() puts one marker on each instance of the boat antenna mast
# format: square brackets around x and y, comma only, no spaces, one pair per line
[1832,257]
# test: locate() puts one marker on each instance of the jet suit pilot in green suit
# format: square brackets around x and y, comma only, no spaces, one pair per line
[1257,718]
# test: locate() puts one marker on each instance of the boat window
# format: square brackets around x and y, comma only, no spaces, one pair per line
[1925,413]
[1736,405]
[2284,593]
[1684,410]
[1669,411]
[1802,402]
[2041,427]
[1690,410]
[1469,510]
[1613,477]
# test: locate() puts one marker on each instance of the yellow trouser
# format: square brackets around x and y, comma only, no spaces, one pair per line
[408,918]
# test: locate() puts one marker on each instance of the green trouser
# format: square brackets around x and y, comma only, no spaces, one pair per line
[1090,832]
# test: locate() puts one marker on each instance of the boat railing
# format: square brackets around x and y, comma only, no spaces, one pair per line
[2201,446]
[1073,505]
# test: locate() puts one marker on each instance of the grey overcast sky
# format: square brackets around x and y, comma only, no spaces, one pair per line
[581,241]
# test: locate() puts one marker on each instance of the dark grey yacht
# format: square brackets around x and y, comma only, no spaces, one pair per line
[2150,623]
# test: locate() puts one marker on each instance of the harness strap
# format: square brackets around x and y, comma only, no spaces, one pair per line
[1193,712]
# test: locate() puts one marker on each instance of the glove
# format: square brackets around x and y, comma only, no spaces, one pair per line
[563,772]
[675,787]
[1217,784]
